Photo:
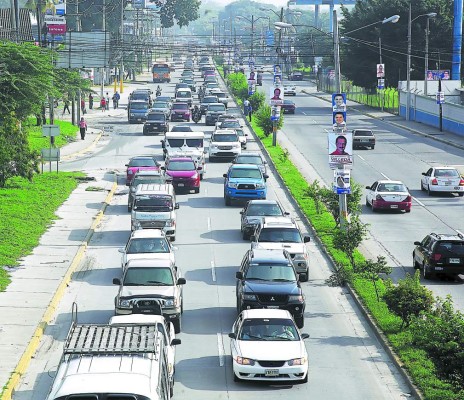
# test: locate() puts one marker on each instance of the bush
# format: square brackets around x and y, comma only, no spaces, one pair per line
[238,85]
[408,299]
[257,100]
[263,119]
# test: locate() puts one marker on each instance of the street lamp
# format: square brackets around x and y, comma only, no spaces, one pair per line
[427,31]
[408,66]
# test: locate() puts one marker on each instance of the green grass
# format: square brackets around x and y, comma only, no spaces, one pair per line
[68,133]
[415,361]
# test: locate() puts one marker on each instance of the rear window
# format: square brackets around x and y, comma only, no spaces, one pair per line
[363,133]
[143,162]
[448,173]
[179,106]
[156,117]
[450,248]
[216,107]
[139,106]
[162,203]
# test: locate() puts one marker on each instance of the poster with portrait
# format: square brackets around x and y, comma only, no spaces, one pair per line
[341,182]
[276,96]
[252,77]
[339,102]
[340,149]
[251,88]
[339,121]
[277,80]
[380,70]
[277,70]
[275,113]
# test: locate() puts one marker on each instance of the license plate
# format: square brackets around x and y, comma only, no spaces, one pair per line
[439,268]
[180,185]
[271,372]
[272,306]
[393,206]
[448,183]
[454,260]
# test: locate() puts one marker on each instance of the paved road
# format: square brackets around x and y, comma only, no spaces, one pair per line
[346,361]
[399,154]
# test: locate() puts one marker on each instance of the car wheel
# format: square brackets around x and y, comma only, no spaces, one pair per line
[304,276]
[414,263]
[460,194]
[129,208]
[372,147]
[367,203]
[245,236]
[305,380]
[177,324]
[227,200]
[429,192]
[299,321]
[239,309]
[197,190]
[173,238]
[422,186]
[425,273]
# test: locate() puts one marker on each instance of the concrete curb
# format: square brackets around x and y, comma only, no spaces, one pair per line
[34,343]
[438,139]
[85,150]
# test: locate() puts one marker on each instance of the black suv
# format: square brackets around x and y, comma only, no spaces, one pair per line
[157,122]
[267,279]
[439,254]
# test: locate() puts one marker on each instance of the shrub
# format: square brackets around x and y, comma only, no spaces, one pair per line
[408,298]
[238,84]
[371,271]
[257,100]
[263,119]
[349,238]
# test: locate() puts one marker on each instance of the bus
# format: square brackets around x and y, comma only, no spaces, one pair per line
[161,72]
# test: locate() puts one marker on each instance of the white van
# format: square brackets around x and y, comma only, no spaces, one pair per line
[154,207]
[184,95]
[186,144]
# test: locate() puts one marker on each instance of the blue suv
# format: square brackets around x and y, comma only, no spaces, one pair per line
[244,182]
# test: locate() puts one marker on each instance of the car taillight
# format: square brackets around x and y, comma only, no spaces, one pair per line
[461,182]
[434,181]
[436,257]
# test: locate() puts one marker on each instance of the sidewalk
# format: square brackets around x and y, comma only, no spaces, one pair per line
[449,138]
[38,283]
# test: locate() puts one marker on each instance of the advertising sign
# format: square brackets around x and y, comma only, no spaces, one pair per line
[340,149]
[56,29]
[341,182]
[54,20]
[138,4]
[440,97]
[339,121]
[275,113]
[339,102]
[381,83]
[269,38]
[55,7]
[435,75]
[276,96]
[380,70]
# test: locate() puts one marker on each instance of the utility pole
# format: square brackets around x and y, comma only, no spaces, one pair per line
[121,67]
[252,35]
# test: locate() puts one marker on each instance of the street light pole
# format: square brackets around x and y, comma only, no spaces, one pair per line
[408,68]
[252,35]
[426,55]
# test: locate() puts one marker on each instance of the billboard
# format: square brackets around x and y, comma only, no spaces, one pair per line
[84,50]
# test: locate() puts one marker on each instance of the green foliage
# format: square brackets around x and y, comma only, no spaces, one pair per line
[26,78]
[257,100]
[238,85]
[68,133]
[314,192]
[441,333]
[408,298]
[340,277]
[263,119]
[69,81]
[371,271]
[349,238]
[15,157]
[181,12]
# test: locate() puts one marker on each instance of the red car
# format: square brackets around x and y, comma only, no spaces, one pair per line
[180,112]
[184,173]
[288,107]
[140,163]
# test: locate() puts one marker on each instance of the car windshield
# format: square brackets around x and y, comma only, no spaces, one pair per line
[245,173]
[145,179]
[148,277]
[156,117]
[363,133]
[194,142]
[143,162]
[181,166]
[225,138]
[139,106]
[183,95]
[140,96]
[181,128]
[160,104]
[182,107]
[209,100]
[391,187]
[272,329]
[176,142]
[263,210]
[230,124]
[257,160]
[446,173]
[280,235]
[271,272]
[147,245]
[153,202]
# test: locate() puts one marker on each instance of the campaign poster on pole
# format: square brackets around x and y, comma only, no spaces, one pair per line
[339,121]
[381,83]
[341,182]
[251,88]
[380,70]
[276,96]
[340,149]
[277,75]
[339,102]
[275,113]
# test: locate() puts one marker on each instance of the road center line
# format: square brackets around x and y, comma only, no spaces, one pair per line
[361,157]
[208,223]
[220,349]
[303,113]
[385,176]
[419,202]
[213,271]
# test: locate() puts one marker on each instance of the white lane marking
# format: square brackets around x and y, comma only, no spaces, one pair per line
[213,271]
[419,202]
[385,176]
[459,232]
[360,157]
[314,121]
[220,349]
[303,113]
[208,222]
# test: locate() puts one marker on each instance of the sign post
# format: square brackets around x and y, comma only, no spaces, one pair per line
[52,153]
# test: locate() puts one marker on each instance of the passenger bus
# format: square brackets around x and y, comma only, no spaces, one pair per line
[161,72]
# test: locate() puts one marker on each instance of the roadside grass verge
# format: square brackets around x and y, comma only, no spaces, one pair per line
[68,133]
[419,366]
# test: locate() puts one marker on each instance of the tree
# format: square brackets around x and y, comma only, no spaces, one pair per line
[181,11]
[371,271]
[408,298]
[69,81]
[15,157]
[26,78]
[257,100]
[348,239]
[360,49]
[263,120]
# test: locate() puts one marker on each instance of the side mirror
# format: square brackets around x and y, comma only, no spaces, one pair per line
[176,206]
[264,162]
[175,342]
[121,250]
[181,281]
[241,212]
[417,243]
[232,335]
[306,239]
[305,336]
[424,173]
[265,176]
[116,281]
[163,168]
[224,175]
[239,275]
[286,213]
[368,187]
[126,165]
[199,168]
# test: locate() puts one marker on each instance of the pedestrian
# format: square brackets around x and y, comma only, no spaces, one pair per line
[107,98]
[82,127]
[116,98]
[83,106]
[66,105]
[90,101]
[103,104]
[247,109]
[250,110]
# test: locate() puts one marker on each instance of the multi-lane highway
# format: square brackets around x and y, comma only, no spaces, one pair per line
[398,154]
[345,359]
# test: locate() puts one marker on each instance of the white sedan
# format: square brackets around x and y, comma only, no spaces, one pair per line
[147,243]
[442,179]
[267,346]
[289,90]
[388,195]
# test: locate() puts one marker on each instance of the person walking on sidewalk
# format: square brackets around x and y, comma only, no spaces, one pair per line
[107,98]
[66,106]
[82,127]
[90,101]
[84,111]
[116,98]
[103,104]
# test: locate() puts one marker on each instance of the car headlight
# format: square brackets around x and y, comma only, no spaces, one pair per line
[298,297]
[297,361]
[250,297]
[130,172]
[244,361]
[124,303]
[260,186]
[195,176]
[170,303]
[233,185]
[170,223]
[300,257]
[237,144]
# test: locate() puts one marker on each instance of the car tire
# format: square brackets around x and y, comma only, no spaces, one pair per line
[177,324]
[422,187]
[408,210]
[305,276]
[245,236]
[372,147]
[129,208]
[460,194]
[197,190]
[429,192]
[367,203]
[415,265]
[426,274]
[239,309]
[173,238]
[299,321]
[227,201]
[305,380]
